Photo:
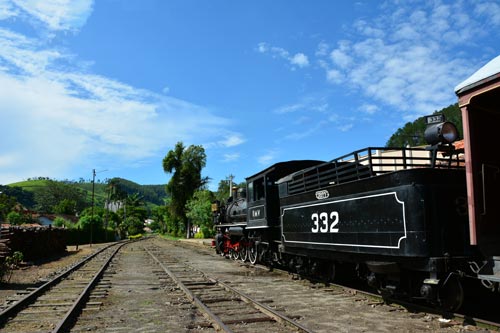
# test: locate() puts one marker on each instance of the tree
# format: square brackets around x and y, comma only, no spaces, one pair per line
[158,214]
[198,209]
[132,225]
[136,206]
[185,164]
[7,204]
[54,193]
[88,221]
[222,193]
[133,206]
[25,198]
[65,206]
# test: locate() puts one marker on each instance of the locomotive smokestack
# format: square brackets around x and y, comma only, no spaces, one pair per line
[230,185]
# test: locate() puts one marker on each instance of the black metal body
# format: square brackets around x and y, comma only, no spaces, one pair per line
[403,216]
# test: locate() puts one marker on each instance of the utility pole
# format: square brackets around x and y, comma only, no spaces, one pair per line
[92,215]
[92,211]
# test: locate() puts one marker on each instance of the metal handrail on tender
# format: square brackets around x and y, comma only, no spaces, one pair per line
[371,162]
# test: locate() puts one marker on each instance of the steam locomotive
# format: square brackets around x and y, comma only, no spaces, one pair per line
[410,221]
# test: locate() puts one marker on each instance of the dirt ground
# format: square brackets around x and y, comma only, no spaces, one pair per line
[35,274]
[324,310]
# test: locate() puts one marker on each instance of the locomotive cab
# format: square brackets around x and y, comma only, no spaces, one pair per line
[263,200]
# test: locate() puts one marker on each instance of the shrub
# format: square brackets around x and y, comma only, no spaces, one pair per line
[10,263]
[15,218]
[132,225]
[87,220]
[62,222]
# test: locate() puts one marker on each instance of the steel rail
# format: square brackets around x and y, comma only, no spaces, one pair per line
[417,307]
[247,299]
[413,306]
[63,323]
[212,317]
[264,308]
[25,301]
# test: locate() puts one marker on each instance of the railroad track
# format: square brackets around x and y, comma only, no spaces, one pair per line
[226,308]
[55,304]
[334,291]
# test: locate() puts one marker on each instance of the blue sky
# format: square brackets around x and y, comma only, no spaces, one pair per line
[114,84]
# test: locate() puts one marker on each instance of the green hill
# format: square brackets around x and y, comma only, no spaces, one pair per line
[116,188]
[153,194]
[30,185]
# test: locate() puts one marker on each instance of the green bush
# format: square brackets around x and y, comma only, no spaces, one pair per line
[15,218]
[87,220]
[62,222]
[132,225]
[10,263]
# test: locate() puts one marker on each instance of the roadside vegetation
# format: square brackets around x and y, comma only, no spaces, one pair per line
[9,264]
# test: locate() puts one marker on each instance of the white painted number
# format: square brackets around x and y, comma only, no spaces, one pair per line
[335,217]
[315,218]
[322,220]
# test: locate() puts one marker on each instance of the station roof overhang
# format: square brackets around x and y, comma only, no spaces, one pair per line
[484,80]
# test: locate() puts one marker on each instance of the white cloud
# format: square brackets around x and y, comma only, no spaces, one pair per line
[340,56]
[54,119]
[368,30]
[262,47]
[490,10]
[55,15]
[369,108]
[309,103]
[306,132]
[231,157]
[342,123]
[298,59]
[335,76]
[267,158]
[345,127]
[7,10]
[322,49]
[409,57]
[289,108]
[233,139]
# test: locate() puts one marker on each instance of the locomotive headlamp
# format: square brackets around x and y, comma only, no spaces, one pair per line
[444,132]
